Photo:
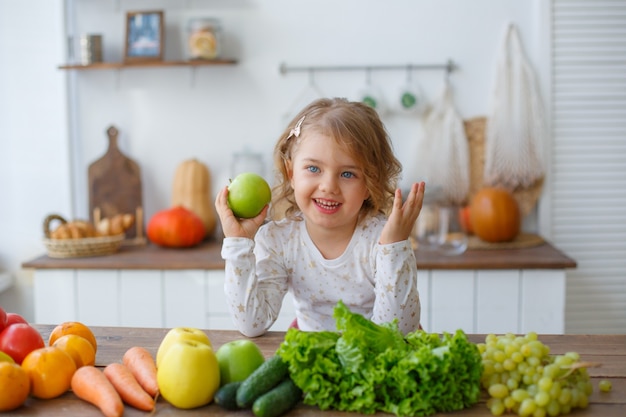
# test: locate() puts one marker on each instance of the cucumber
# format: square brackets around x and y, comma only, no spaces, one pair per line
[278,400]
[226,395]
[264,378]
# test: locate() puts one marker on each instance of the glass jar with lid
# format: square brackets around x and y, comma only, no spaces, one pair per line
[204,38]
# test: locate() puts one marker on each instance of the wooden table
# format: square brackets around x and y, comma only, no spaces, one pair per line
[610,350]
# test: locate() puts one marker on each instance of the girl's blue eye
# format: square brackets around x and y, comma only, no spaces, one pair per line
[347,174]
[312,168]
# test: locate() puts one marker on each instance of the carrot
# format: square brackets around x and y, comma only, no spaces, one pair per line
[127,386]
[90,384]
[141,363]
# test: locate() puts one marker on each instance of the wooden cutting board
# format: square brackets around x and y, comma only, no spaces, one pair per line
[115,187]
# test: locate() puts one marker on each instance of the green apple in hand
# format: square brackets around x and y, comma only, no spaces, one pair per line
[177,334]
[248,193]
[189,374]
[238,359]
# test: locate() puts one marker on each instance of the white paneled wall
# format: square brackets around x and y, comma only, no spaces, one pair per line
[589,159]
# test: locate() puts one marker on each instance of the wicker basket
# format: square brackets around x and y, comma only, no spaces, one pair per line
[475,130]
[78,248]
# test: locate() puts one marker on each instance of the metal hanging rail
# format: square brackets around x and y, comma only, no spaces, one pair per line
[448,67]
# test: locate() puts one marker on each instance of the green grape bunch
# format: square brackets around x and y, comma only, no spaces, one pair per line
[522,377]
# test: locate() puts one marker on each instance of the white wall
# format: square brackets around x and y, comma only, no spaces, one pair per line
[34,155]
[166,115]
[169,114]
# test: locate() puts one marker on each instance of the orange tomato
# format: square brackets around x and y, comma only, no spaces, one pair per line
[79,348]
[73,327]
[14,386]
[50,371]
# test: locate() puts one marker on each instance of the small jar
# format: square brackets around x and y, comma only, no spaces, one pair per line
[90,48]
[204,38]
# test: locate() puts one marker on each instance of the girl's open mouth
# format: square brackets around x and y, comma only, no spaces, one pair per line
[326,205]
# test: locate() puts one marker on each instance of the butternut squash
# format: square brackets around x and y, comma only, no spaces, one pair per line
[192,190]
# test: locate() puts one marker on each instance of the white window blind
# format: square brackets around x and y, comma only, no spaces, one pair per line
[588,181]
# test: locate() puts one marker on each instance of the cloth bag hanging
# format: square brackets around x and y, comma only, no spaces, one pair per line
[443,151]
[516,126]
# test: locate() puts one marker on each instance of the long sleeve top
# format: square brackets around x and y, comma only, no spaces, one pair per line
[377,281]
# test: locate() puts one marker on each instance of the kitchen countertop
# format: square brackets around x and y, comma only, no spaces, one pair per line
[609,350]
[207,256]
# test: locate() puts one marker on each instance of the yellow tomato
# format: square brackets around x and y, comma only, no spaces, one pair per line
[79,348]
[50,371]
[14,386]
[73,327]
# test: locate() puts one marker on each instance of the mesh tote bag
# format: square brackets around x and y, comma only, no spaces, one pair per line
[516,125]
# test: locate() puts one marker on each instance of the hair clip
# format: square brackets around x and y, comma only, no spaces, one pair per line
[296,129]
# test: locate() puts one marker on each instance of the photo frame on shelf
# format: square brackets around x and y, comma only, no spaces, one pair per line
[145,38]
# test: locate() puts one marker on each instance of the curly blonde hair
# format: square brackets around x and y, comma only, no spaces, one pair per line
[357,128]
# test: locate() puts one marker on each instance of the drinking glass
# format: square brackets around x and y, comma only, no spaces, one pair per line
[426,229]
[451,238]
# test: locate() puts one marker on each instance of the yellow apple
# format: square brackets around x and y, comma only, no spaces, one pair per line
[181,333]
[5,358]
[189,374]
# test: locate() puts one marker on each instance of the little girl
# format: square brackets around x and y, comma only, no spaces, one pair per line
[329,238]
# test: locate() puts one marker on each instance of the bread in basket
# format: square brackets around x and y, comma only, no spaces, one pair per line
[80,238]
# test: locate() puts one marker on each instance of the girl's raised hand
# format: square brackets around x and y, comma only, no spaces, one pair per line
[233,226]
[403,216]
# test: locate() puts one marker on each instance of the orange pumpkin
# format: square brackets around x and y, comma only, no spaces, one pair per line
[495,215]
[176,227]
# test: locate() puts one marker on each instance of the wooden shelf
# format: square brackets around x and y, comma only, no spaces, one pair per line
[144,64]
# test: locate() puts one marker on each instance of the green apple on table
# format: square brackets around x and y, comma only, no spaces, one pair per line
[5,358]
[189,375]
[238,359]
[177,334]
[248,193]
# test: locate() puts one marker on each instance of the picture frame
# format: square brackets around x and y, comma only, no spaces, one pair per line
[145,36]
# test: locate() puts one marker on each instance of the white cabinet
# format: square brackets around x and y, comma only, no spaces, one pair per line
[138,298]
[480,291]
[493,301]
[477,301]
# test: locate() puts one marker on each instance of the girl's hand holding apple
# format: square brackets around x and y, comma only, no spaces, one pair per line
[242,206]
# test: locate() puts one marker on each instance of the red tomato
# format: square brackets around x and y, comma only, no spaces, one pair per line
[19,339]
[13,318]
[465,220]
[3,319]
